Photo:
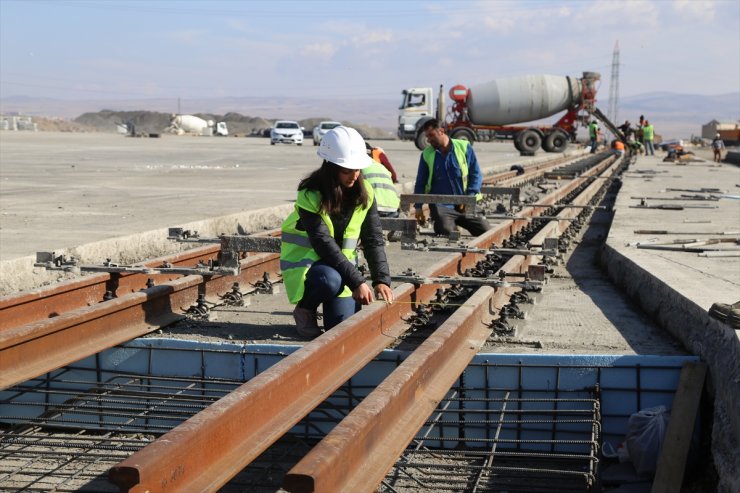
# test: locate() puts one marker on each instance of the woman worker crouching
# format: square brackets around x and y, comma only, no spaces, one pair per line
[334,211]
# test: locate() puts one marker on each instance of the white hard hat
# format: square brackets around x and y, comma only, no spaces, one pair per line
[345,147]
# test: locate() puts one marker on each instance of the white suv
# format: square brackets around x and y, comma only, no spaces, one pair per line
[321,129]
[286,131]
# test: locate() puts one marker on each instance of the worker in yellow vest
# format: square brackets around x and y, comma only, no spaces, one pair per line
[648,134]
[593,134]
[334,211]
[448,167]
[381,180]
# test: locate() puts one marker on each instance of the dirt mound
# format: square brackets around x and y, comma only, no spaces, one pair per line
[143,121]
[61,125]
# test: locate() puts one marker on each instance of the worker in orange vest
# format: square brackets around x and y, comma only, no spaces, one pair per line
[618,148]
[378,154]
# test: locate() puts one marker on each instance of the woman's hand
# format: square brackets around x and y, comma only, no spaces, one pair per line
[363,294]
[384,292]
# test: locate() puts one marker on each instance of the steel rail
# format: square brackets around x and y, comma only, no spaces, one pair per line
[52,301]
[511,178]
[357,453]
[207,450]
[35,348]
[565,217]
[48,302]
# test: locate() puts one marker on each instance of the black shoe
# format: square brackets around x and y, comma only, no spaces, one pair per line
[729,314]
[306,323]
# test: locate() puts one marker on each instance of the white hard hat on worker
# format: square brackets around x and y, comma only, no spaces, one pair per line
[345,147]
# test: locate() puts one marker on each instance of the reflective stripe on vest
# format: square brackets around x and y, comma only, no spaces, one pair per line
[385,192]
[296,253]
[460,148]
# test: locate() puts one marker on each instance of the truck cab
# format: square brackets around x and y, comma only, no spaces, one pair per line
[416,103]
[221,129]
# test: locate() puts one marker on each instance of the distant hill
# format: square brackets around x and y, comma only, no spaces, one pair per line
[674,115]
[238,124]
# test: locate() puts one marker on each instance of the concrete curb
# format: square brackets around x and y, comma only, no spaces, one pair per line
[714,342]
[19,274]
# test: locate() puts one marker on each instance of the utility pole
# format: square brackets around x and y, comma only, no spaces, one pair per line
[614,86]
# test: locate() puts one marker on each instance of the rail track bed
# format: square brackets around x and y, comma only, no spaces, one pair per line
[302,415]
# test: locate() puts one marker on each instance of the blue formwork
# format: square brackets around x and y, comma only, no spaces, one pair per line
[609,387]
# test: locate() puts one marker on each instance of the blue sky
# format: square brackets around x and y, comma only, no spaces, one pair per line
[109,49]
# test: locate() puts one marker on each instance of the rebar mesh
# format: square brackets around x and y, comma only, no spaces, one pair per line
[503,443]
[540,433]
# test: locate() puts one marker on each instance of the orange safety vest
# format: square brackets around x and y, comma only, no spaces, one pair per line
[619,145]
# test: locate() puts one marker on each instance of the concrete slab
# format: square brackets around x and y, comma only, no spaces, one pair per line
[676,288]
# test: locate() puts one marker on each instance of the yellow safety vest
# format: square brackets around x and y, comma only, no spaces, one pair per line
[460,148]
[385,191]
[296,253]
[648,132]
[593,130]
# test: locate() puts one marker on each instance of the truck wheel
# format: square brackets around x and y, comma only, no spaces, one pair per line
[556,141]
[421,140]
[517,146]
[529,141]
[463,134]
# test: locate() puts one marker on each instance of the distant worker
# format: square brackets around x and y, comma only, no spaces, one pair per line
[640,126]
[593,133]
[448,167]
[334,211]
[635,147]
[648,134]
[627,130]
[718,145]
[378,154]
[381,180]
[618,147]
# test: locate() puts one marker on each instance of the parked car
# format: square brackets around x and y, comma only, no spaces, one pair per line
[320,130]
[286,132]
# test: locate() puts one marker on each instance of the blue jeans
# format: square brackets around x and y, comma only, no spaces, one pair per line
[323,285]
[594,143]
[649,148]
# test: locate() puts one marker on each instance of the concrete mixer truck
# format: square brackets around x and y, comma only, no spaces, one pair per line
[190,124]
[493,109]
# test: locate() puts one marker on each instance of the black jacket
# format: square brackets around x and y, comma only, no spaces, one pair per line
[329,249]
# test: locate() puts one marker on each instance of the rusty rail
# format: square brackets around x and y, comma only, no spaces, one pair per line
[235,430]
[52,301]
[35,348]
[511,178]
[358,452]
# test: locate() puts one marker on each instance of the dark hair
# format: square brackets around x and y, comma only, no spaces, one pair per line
[325,180]
[432,123]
